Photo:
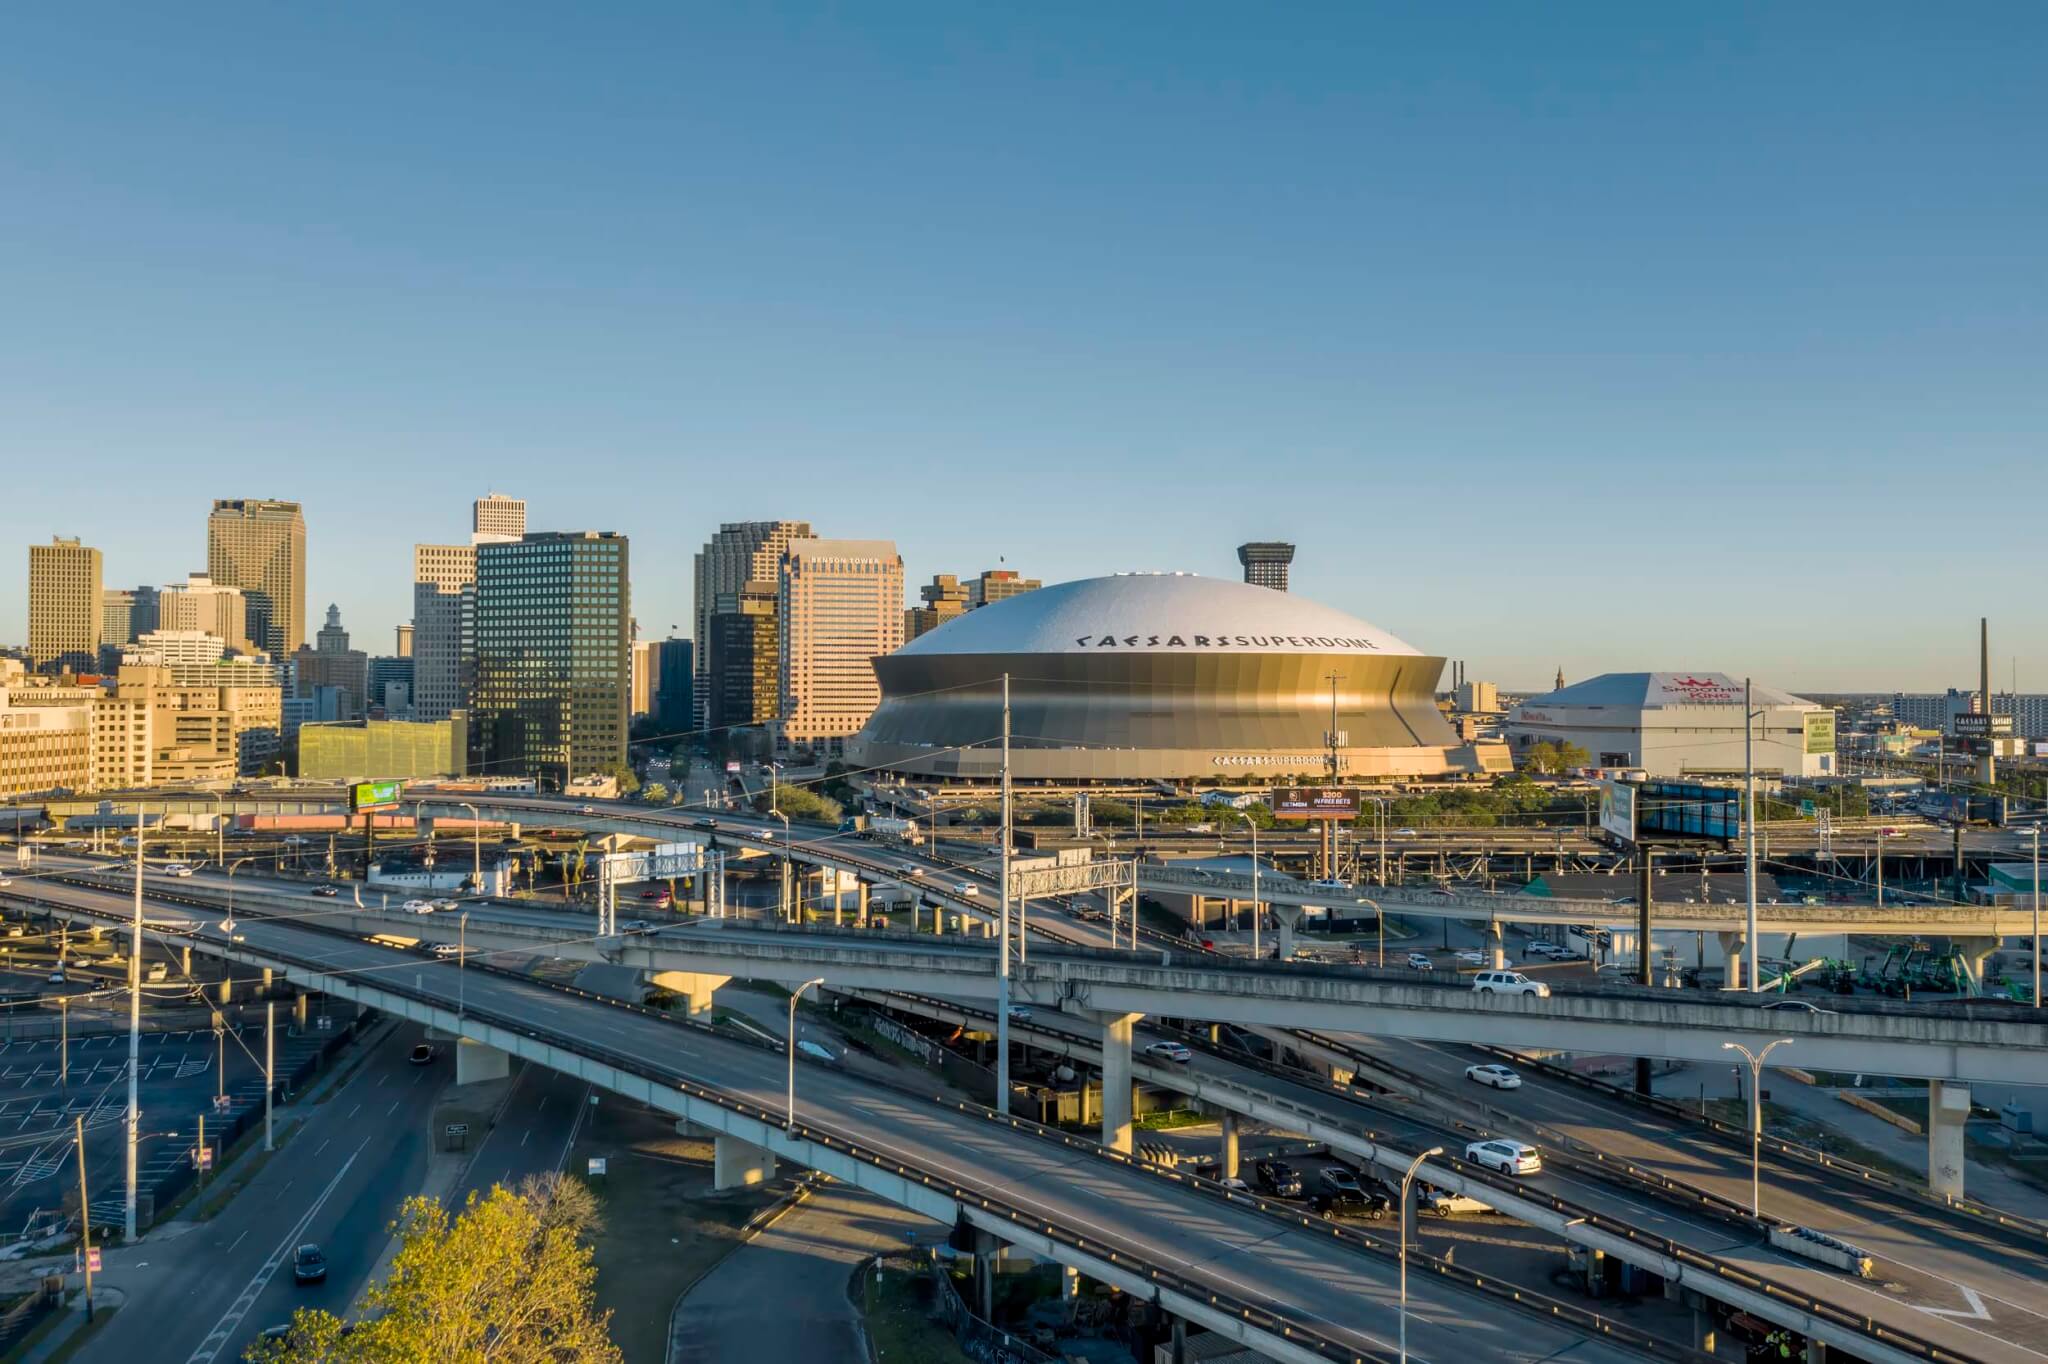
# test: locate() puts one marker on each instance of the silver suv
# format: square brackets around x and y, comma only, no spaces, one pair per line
[1508,983]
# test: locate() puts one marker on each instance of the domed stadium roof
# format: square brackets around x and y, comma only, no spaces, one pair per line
[1174,613]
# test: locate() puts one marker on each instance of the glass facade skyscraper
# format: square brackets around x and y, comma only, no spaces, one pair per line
[553,649]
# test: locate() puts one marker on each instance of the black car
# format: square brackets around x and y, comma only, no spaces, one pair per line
[309,1265]
[1340,1207]
[1335,1179]
[1277,1177]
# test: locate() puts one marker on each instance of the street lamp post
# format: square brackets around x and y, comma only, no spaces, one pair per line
[228,924]
[1756,1116]
[1258,912]
[461,962]
[219,834]
[1406,1179]
[2036,832]
[776,811]
[789,1121]
[476,843]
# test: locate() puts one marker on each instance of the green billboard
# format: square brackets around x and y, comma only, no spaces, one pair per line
[375,795]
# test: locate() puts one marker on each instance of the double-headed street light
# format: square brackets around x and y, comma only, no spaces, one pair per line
[476,842]
[1406,1179]
[789,1120]
[1756,1116]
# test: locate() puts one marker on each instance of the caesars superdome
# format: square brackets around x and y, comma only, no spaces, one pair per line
[1162,677]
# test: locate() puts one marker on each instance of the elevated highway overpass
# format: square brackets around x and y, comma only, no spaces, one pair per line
[1678,1258]
[1286,1285]
[1959,1043]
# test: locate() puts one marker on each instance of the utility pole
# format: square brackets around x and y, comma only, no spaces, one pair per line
[1003,947]
[1749,817]
[84,1214]
[269,1067]
[1645,975]
[134,1039]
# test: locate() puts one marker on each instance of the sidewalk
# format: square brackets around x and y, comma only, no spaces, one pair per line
[1982,1183]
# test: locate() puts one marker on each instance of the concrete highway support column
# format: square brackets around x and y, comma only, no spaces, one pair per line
[1287,916]
[474,1061]
[227,984]
[1948,1109]
[736,1163]
[301,1005]
[693,989]
[861,911]
[185,962]
[1733,945]
[1496,946]
[1976,952]
[1116,1080]
[1229,1144]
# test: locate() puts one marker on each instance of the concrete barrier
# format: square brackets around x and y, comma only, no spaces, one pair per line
[1878,1110]
[1819,1246]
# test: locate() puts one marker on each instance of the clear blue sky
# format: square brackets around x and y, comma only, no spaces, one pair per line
[1602,336]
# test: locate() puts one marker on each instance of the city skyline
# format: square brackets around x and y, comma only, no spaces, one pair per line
[1596,306]
[663,605]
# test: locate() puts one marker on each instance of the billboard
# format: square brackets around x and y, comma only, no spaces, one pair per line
[1820,731]
[1688,809]
[665,861]
[375,795]
[1977,725]
[1315,802]
[1618,810]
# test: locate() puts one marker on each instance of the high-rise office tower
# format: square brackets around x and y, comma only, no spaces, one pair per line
[744,642]
[404,643]
[117,616]
[553,649]
[259,545]
[331,663]
[841,603]
[64,606]
[203,604]
[944,597]
[742,552]
[672,708]
[646,676]
[1265,563]
[443,579]
[998,584]
[496,518]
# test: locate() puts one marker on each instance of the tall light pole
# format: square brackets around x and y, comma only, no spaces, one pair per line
[776,811]
[228,924]
[269,1067]
[461,963]
[1749,843]
[1257,912]
[1413,1166]
[1756,1116]
[789,1120]
[219,834]
[1882,835]
[1003,932]
[2036,832]
[476,843]
[134,1039]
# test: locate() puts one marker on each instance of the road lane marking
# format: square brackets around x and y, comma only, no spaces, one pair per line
[1977,1311]
[210,1348]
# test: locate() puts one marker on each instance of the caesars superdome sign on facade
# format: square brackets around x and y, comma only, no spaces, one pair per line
[1222,641]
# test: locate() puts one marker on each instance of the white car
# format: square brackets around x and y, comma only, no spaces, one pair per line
[1508,983]
[1470,958]
[917,871]
[444,904]
[445,950]
[1508,1157]
[1419,961]
[1550,951]
[966,888]
[1496,1075]
[419,906]
[1170,1051]
[176,869]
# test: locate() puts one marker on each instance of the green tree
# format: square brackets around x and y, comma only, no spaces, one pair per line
[629,780]
[801,803]
[509,1281]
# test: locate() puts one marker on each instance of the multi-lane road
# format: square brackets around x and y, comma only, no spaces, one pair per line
[1234,1250]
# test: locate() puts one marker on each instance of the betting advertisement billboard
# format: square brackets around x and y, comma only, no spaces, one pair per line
[1820,731]
[1315,802]
[375,795]
[1618,810]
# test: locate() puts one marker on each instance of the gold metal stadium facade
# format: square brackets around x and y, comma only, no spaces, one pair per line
[1162,678]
